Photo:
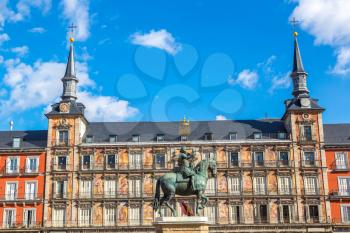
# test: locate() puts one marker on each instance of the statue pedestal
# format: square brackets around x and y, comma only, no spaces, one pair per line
[188,224]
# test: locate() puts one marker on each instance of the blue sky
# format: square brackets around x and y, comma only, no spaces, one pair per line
[161,60]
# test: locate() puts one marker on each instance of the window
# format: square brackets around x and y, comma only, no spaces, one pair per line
[62,162]
[284,184]
[345,213]
[109,188]
[341,160]
[12,165]
[11,190]
[9,218]
[208,136]
[86,162]
[307,132]
[135,187]
[85,189]
[111,161]
[30,193]
[89,139]
[135,138]
[63,137]
[232,136]
[29,217]
[211,186]
[60,187]
[113,138]
[234,159]
[16,143]
[344,186]
[259,158]
[210,212]
[257,135]
[283,158]
[84,216]
[183,138]
[234,185]
[58,217]
[259,184]
[314,214]
[281,135]
[32,164]
[134,161]
[261,213]
[236,213]
[311,185]
[209,155]
[160,138]
[309,158]
[110,216]
[134,215]
[160,160]
[286,213]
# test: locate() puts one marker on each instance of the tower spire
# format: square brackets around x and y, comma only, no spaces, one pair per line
[70,80]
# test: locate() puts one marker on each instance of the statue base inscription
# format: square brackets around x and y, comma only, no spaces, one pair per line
[190,224]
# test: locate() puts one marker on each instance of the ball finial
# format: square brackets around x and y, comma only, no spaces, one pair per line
[295,34]
[71,39]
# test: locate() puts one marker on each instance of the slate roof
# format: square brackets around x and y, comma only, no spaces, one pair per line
[76,108]
[337,134]
[294,104]
[148,131]
[29,139]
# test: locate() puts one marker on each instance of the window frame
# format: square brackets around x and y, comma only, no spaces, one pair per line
[15,143]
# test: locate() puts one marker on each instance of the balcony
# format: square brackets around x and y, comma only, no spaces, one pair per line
[63,143]
[311,191]
[60,167]
[21,197]
[310,163]
[337,194]
[16,171]
[30,225]
[340,167]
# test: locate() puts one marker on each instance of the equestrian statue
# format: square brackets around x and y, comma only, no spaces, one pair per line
[185,180]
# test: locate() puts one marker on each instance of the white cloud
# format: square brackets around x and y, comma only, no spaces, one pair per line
[3,38]
[280,82]
[39,85]
[246,78]
[328,21]
[220,118]
[77,12]
[21,50]
[161,39]
[37,30]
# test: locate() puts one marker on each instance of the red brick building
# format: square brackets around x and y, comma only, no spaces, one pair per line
[22,180]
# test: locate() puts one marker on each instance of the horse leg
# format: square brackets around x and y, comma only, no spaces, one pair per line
[167,199]
[197,203]
[204,200]
[161,202]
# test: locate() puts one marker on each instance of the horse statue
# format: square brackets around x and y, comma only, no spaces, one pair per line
[169,185]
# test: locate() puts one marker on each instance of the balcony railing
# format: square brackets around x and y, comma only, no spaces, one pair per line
[310,163]
[62,143]
[340,167]
[16,171]
[257,164]
[311,191]
[12,197]
[22,225]
[339,193]
[117,166]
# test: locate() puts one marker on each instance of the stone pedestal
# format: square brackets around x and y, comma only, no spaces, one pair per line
[190,224]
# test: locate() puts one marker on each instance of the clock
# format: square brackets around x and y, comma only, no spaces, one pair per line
[64,107]
[305,102]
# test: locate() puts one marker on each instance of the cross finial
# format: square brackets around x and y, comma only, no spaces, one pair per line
[294,23]
[71,31]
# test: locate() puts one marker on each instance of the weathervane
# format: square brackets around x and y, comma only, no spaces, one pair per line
[294,23]
[71,32]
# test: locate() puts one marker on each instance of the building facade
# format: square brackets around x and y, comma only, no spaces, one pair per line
[22,180]
[273,174]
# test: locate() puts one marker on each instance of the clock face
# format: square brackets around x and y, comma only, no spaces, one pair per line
[64,107]
[305,102]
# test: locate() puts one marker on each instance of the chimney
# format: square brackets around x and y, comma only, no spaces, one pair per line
[11,125]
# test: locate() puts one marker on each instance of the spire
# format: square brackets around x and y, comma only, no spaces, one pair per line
[70,80]
[298,73]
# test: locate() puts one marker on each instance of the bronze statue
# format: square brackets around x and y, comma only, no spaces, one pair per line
[185,180]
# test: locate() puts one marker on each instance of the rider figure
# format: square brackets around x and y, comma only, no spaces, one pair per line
[185,165]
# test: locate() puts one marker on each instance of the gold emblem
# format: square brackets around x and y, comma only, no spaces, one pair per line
[64,107]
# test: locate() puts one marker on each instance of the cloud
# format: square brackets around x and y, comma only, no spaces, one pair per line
[280,82]
[161,39]
[328,21]
[220,118]
[77,12]
[20,51]
[3,38]
[246,78]
[39,85]
[39,30]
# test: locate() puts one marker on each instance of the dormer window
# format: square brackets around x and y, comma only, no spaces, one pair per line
[208,136]
[160,138]
[183,138]
[113,138]
[89,139]
[232,136]
[16,143]
[257,135]
[135,138]
[281,135]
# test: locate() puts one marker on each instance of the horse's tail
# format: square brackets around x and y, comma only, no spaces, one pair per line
[156,200]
